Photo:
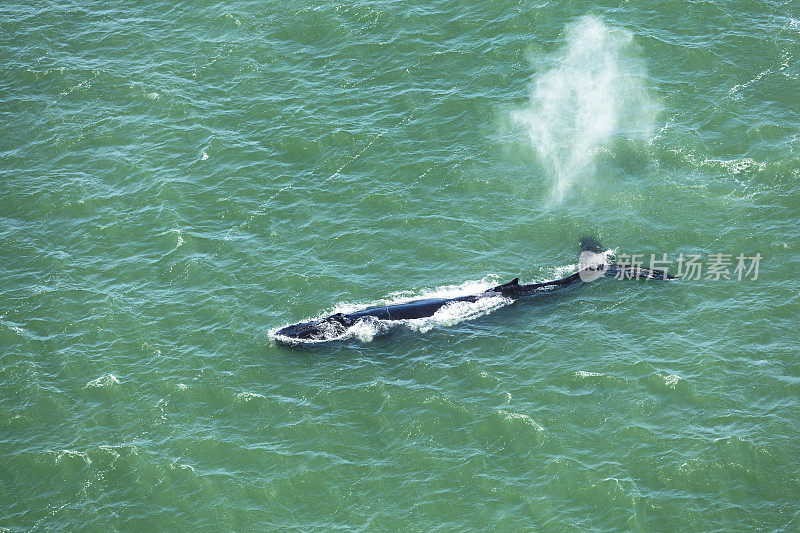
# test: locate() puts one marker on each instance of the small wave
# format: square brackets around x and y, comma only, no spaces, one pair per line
[249,396]
[735,166]
[585,374]
[181,466]
[107,380]
[510,415]
[70,454]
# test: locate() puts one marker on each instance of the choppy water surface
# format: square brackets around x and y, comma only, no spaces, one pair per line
[180,181]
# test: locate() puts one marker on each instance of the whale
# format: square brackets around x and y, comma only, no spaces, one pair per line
[592,265]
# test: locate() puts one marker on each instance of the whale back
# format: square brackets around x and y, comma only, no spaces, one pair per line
[510,286]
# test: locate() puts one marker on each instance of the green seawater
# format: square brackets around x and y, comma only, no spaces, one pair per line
[180,180]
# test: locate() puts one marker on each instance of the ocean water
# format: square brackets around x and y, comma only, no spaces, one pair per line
[178,181]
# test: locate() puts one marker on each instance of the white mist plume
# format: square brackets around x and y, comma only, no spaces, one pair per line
[593,95]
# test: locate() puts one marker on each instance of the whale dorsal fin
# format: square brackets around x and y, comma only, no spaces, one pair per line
[513,283]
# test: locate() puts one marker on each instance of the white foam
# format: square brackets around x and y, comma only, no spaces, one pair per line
[584,261]
[586,374]
[453,313]
[249,396]
[443,291]
[672,380]
[73,454]
[735,166]
[366,330]
[510,415]
[103,381]
[179,466]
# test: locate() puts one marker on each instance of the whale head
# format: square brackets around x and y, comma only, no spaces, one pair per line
[317,330]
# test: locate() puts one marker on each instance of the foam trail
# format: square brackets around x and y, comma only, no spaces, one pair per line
[593,95]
